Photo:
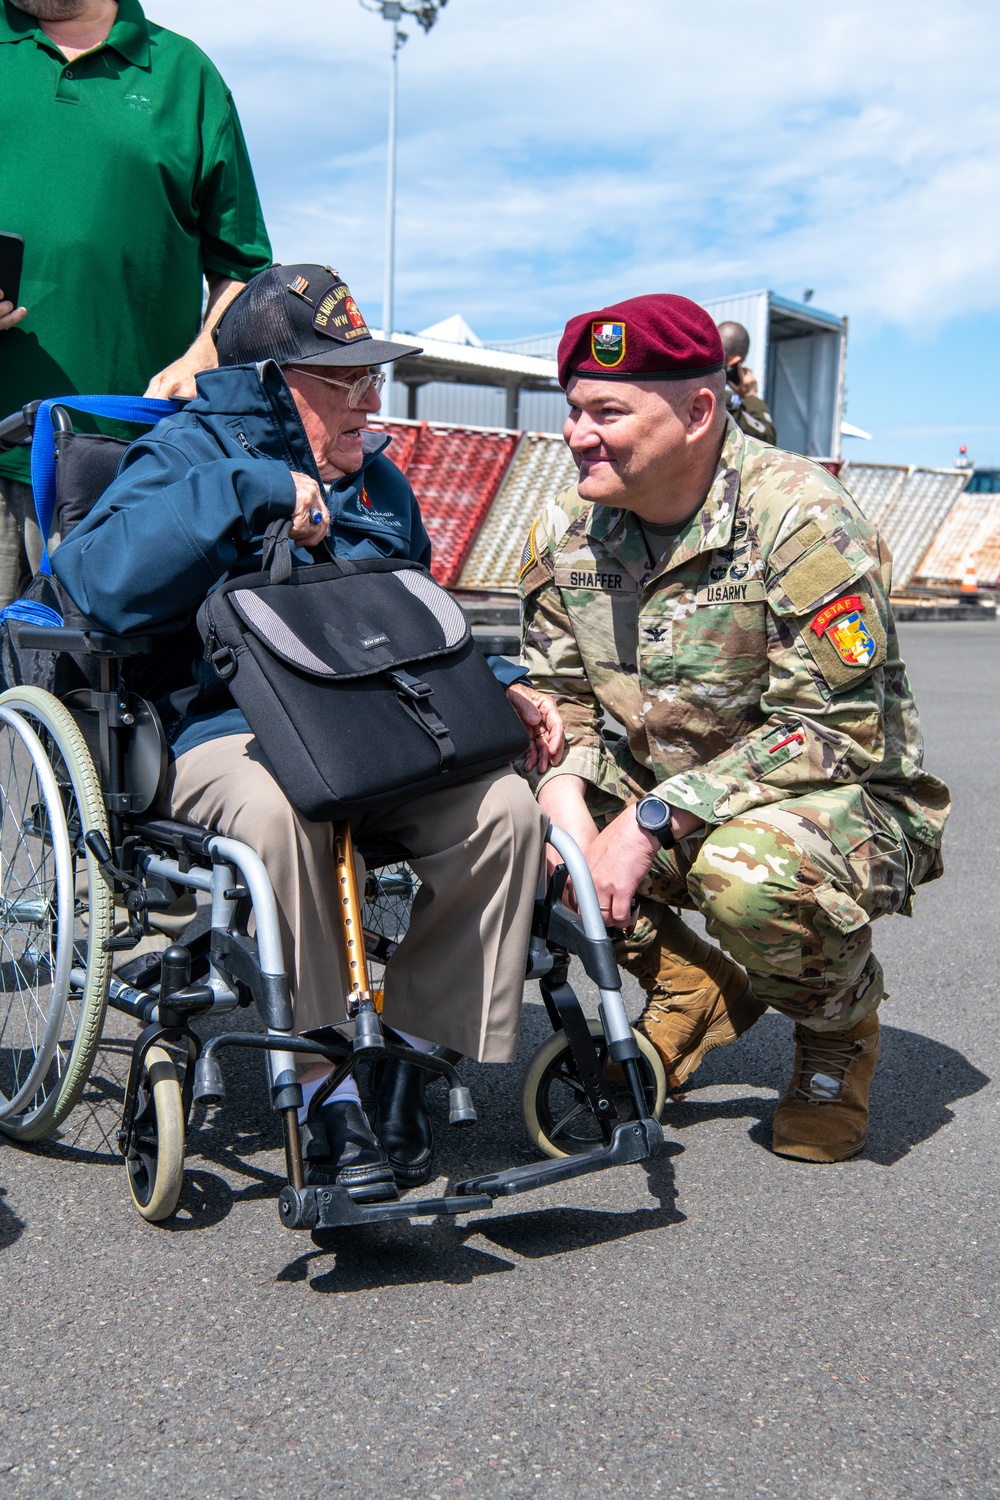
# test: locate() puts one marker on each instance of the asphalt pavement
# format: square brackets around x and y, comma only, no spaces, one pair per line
[724,1323]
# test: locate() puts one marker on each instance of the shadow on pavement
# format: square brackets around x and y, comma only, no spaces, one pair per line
[917,1081]
[538,1233]
[407,1254]
[392,1255]
[11,1227]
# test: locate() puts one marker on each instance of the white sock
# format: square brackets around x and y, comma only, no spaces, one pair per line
[418,1043]
[347,1089]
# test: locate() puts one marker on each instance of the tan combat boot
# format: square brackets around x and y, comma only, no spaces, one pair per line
[698,1000]
[824,1113]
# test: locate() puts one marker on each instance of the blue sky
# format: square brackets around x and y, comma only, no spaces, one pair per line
[555,155]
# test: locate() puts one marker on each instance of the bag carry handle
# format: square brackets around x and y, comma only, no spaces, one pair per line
[277,553]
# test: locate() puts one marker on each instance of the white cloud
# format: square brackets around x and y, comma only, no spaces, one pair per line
[554,152]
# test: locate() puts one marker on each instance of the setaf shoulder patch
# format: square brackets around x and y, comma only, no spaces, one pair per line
[846,640]
[536,567]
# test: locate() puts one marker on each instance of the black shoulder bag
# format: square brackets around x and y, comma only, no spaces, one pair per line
[360,680]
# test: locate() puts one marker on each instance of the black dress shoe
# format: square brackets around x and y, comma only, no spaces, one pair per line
[400,1120]
[341,1151]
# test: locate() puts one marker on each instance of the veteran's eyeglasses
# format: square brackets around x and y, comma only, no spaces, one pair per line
[356,390]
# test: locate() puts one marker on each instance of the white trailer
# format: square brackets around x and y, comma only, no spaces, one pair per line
[799,355]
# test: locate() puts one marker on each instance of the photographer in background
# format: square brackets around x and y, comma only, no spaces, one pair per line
[132,188]
[744,405]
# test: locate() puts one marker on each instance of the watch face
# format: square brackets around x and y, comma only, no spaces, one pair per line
[653,814]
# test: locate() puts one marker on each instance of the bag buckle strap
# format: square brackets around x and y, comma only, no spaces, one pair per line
[413,695]
[411,686]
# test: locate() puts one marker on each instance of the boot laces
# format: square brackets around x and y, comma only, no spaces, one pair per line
[824,1064]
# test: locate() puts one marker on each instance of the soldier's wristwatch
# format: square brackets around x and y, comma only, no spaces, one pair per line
[652,814]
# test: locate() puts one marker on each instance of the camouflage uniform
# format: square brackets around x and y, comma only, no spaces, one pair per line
[805,765]
[751,415]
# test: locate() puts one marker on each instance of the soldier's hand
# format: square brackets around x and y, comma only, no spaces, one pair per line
[565,800]
[620,858]
[540,717]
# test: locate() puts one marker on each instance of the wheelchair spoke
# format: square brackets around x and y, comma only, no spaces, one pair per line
[560,1126]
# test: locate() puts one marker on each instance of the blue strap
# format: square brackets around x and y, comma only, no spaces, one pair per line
[31,612]
[43,451]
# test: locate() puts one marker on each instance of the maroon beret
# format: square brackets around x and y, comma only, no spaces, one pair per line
[659,337]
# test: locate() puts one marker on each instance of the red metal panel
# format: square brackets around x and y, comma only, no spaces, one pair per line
[405,436]
[455,473]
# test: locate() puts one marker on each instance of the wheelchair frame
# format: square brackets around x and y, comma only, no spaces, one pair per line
[145,860]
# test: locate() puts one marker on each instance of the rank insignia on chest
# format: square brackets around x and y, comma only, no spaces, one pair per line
[842,624]
[607,343]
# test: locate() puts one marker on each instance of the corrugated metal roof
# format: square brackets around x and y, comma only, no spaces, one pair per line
[480,358]
[874,486]
[541,468]
[404,436]
[973,525]
[987,551]
[455,473]
[915,517]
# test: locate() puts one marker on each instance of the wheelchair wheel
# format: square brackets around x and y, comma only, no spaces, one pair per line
[389,893]
[55,913]
[156,1172]
[559,1118]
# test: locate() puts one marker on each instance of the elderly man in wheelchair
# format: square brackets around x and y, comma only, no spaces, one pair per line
[277,433]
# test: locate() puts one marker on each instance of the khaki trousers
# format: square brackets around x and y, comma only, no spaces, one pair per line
[457,977]
[20,539]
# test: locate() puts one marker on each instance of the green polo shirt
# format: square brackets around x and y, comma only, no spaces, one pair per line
[127,174]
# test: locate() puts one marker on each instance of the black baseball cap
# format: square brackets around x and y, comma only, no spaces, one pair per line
[303,315]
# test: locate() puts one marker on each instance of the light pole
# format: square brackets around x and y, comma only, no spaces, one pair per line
[425,14]
[398,38]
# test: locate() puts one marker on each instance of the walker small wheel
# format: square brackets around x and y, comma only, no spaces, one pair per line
[557,1112]
[156,1171]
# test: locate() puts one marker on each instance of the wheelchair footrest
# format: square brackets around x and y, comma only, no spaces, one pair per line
[631,1142]
[334,1208]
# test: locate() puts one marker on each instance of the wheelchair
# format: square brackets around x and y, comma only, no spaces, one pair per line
[85,862]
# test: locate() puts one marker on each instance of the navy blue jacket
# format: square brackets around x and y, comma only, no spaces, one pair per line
[190,505]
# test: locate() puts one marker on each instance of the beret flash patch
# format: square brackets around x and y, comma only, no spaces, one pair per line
[607,343]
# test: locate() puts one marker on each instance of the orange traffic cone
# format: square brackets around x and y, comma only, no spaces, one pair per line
[970,583]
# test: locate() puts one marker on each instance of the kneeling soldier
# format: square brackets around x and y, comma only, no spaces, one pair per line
[726,603]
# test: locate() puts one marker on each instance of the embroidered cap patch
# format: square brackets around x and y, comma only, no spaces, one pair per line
[607,343]
[843,626]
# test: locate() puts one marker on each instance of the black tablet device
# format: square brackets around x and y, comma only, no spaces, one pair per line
[11,261]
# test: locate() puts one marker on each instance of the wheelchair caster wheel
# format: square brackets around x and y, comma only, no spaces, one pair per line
[156,1172]
[557,1112]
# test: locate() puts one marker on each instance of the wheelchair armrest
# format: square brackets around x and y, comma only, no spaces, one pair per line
[85,642]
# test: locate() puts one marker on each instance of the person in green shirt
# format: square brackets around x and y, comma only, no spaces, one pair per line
[125,170]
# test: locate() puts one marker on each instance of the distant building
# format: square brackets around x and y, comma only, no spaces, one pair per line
[798,353]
